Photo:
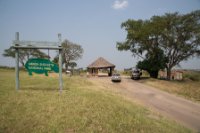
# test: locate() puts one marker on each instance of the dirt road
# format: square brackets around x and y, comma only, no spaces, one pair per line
[177,108]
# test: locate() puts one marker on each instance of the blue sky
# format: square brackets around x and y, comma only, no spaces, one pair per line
[94,24]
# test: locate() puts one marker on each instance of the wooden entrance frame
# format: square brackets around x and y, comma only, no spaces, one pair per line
[17,44]
[94,71]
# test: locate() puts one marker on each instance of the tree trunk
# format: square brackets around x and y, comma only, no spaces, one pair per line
[168,73]
[72,70]
[22,63]
[66,66]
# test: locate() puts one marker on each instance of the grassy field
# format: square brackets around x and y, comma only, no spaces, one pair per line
[188,88]
[38,107]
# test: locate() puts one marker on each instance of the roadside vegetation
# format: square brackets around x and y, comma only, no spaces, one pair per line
[192,75]
[189,87]
[38,107]
[162,42]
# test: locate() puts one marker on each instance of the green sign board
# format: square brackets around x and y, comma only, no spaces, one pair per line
[40,66]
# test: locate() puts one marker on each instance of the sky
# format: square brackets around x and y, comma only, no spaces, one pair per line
[93,24]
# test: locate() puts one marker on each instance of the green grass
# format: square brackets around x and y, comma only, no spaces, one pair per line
[38,107]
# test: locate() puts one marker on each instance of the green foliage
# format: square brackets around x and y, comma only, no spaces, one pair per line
[72,64]
[178,36]
[82,107]
[153,63]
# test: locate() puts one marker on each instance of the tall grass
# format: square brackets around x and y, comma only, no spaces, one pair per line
[38,107]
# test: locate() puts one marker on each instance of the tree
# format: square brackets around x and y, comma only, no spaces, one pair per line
[70,53]
[178,36]
[24,54]
[142,42]
[72,65]
[149,62]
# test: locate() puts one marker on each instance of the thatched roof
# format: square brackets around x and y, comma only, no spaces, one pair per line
[101,63]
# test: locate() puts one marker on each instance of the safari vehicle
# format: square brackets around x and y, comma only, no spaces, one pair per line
[135,74]
[116,77]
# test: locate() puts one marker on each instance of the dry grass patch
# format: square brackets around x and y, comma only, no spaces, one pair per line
[187,88]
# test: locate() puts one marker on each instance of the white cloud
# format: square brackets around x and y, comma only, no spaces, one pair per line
[120,4]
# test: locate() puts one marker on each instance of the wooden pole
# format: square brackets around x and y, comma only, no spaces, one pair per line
[60,65]
[17,63]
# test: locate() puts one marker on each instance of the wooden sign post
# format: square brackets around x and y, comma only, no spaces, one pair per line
[17,45]
[17,62]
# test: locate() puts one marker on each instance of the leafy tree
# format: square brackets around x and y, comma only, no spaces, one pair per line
[142,42]
[72,64]
[24,54]
[149,62]
[56,59]
[70,53]
[178,36]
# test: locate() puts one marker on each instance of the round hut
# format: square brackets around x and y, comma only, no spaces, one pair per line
[100,63]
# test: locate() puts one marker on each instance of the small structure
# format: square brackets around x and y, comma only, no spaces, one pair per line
[100,63]
[175,75]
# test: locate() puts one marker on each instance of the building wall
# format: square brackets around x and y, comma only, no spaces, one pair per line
[175,75]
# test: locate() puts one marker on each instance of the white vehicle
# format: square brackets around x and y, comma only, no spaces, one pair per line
[135,74]
[116,77]
[69,73]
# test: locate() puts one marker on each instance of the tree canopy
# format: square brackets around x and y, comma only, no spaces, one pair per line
[70,53]
[153,62]
[24,54]
[177,35]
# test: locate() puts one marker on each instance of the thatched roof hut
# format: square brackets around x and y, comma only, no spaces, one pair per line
[100,63]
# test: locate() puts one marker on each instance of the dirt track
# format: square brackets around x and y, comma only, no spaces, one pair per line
[177,108]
